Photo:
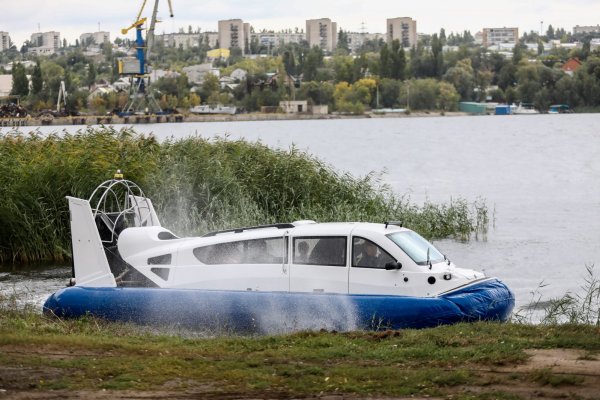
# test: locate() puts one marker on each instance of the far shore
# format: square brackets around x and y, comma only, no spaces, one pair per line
[148,119]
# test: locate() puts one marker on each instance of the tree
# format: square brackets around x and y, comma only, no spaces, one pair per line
[289,63]
[385,62]
[447,97]
[314,60]
[342,42]
[37,82]
[463,78]
[389,90]
[343,67]
[438,56]
[91,74]
[398,61]
[20,83]
[550,32]
[518,54]
[317,93]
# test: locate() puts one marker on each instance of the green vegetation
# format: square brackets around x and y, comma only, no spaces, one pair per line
[90,354]
[197,185]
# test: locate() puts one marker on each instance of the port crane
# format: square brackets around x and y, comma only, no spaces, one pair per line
[140,101]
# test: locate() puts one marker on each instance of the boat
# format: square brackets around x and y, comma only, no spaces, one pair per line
[559,109]
[213,109]
[524,109]
[269,278]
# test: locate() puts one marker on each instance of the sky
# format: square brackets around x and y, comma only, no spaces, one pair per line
[21,18]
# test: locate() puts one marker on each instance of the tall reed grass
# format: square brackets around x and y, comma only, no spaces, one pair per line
[197,185]
[580,308]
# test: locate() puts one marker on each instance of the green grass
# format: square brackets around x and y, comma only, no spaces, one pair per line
[92,354]
[197,185]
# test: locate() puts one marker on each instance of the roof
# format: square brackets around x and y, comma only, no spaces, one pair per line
[571,65]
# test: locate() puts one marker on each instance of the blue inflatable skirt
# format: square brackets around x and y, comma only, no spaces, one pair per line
[280,312]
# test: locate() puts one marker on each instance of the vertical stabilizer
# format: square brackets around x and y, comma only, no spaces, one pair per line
[89,258]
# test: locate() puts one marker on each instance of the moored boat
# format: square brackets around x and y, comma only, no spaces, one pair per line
[272,278]
[213,109]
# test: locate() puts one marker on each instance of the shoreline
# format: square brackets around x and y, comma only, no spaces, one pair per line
[177,118]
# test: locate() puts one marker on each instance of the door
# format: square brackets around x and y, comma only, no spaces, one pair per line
[319,264]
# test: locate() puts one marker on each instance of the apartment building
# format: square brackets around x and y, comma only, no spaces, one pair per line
[273,39]
[45,42]
[357,39]
[586,29]
[494,36]
[234,33]
[95,38]
[403,29]
[323,33]
[4,41]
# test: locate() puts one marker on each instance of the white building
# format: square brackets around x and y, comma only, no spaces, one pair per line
[586,29]
[5,85]
[494,36]
[323,33]
[95,38]
[196,73]
[188,40]
[234,33]
[357,39]
[4,41]
[403,29]
[45,42]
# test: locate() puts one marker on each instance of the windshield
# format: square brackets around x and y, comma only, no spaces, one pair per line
[416,247]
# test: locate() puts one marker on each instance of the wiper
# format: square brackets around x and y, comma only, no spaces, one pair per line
[428,259]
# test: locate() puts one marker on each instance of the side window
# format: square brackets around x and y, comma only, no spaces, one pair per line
[324,250]
[366,254]
[255,251]
[222,253]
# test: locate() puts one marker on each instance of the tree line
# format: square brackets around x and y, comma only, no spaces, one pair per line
[429,76]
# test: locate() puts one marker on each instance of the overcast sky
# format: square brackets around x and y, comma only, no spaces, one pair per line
[20,18]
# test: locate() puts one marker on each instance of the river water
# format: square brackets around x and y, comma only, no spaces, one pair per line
[538,174]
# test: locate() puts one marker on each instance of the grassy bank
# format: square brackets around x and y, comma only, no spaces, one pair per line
[478,361]
[197,185]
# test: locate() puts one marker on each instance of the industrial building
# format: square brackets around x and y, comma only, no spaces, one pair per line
[234,33]
[323,33]
[403,29]
[494,36]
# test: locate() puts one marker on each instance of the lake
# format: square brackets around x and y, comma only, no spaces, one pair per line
[539,176]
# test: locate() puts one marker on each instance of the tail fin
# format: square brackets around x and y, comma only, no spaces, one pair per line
[89,259]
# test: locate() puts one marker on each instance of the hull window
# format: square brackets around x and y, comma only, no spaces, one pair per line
[366,254]
[325,250]
[160,260]
[256,251]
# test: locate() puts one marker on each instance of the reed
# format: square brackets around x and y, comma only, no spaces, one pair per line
[580,308]
[197,185]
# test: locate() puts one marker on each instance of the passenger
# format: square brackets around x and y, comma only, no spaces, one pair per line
[302,255]
[369,256]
